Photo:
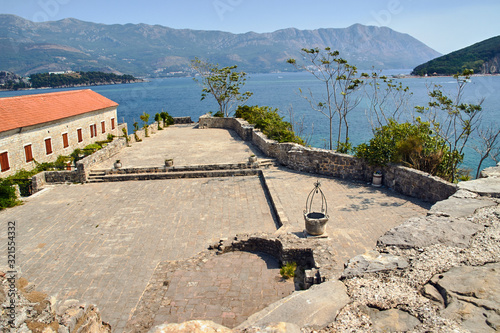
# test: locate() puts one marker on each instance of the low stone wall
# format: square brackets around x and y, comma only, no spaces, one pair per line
[84,165]
[182,120]
[61,177]
[273,246]
[38,182]
[403,180]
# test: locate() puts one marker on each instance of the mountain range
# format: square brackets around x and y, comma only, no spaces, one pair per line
[153,50]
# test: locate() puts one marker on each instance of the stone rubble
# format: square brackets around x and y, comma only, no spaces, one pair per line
[37,312]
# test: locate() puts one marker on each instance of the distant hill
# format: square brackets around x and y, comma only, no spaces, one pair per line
[154,50]
[482,57]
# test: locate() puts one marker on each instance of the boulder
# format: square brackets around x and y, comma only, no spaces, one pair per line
[419,232]
[490,172]
[372,261]
[471,296]
[315,307]
[193,326]
[489,187]
[459,207]
[392,320]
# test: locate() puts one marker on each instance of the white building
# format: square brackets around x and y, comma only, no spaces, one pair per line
[42,127]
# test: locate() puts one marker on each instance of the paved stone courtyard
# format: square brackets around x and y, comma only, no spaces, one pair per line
[100,243]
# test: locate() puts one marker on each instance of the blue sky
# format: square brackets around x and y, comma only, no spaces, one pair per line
[444,25]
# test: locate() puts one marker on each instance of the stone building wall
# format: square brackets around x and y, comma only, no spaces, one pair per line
[14,141]
[403,180]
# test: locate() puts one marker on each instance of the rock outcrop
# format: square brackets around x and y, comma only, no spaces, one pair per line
[471,296]
[315,307]
[34,311]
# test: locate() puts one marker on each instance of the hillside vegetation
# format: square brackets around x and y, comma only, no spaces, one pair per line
[482,57]
[11,81]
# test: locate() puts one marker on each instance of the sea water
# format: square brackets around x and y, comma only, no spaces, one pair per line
[182,97]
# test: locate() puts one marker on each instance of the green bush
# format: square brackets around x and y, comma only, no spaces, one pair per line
[91,148]
[288,270]
[411,144]
[167,119]
[269,122]
[7,194]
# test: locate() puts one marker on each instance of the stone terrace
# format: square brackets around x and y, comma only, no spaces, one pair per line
[100,243]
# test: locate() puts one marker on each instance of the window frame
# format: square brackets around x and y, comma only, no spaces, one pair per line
[65,138]
[2,166]
[49,139]
[31,152]
[79,134]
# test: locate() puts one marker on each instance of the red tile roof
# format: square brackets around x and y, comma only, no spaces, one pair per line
[28,110]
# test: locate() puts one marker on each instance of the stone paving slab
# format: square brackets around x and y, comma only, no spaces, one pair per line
[359,213]
[100,243]
[226,289]
[187,145]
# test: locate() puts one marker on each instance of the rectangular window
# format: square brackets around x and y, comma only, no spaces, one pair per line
[80,135]
[65,140]
[28,152]
[48,146]
[95,129]
[112,123]
[103,126]
[4,161]
[92,131]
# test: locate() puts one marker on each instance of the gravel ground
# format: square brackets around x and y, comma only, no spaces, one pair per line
[401,289]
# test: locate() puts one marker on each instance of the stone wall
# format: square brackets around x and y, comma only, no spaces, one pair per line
[14,141]
[38,182]
[182,120]
[84,165]
[61,177]
[403,180]
[273,246]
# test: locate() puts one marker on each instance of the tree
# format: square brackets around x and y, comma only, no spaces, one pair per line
[223,84]
[488,145]
[387,100]
[158,119]
[453,121]
[167,119]
[145,119]
[340,81]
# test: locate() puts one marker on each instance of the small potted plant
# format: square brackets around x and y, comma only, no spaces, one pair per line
[377,178]
[169,162]
[118,164]
[252,159]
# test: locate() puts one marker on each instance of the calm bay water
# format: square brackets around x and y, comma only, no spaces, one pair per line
[181,97]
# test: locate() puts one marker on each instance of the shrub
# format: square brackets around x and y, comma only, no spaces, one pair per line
[288,270]
[91,148]
[270,122]
[7,194]
[125,134]
[411,144]
[167,119]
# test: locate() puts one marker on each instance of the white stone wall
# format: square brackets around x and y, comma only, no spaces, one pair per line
[14,141]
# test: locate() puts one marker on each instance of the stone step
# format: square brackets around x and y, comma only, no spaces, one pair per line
[95,180]
[96,174]
[174,175]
